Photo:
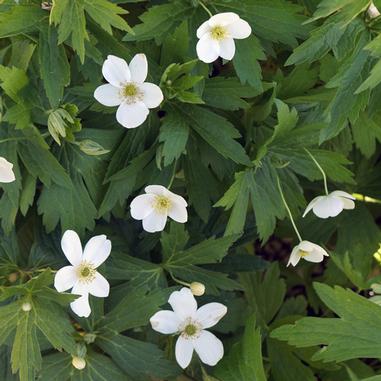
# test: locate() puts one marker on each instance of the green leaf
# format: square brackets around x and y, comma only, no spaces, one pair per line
[174,133]
[245,61]
[140,360]
[353,334]
[70,18]
[54,66]
[278,21]
[217,132]
[21,18]
[227,93]
[106,14]
[159,20]
[244,361]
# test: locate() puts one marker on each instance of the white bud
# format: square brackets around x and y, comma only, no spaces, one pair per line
[26,307]
[197,288]
[78,362]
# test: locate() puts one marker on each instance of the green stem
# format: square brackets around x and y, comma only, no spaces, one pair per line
[12,139]
[173,175]
[178,280]
[320,169]
[205,8]
[288,210]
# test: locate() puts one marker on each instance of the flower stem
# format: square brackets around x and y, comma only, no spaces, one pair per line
[288,210]
[364,198]
[173,175]
[320,169]
[205,8]
[178,280]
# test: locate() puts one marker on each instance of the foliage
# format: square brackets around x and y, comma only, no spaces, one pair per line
[307,81]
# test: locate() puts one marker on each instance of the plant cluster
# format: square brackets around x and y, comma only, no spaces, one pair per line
[221,160]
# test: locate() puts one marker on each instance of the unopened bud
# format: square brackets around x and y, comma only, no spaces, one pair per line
[13,277]
[26,307]
[197,288]
[78,362]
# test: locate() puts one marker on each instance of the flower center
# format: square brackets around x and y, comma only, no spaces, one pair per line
[191,329]
[86,272]
[162,204]
[303,253]
[131,93]
[218,33]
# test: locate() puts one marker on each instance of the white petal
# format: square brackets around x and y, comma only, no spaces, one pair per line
[165,322]
[65,278]
[208,50]
[139,68]
[314,256]
[306,246]
[239,29]
[311,205]
[203,28]
[99,286]
[209,348]
[116,71]
[179,199]
[328,206]
[108,95]
[210,314]
[155,222]
[178,212]
[6,171]
[81,306]
[227,48]
[183,303]
[294,257]
[347,203]
[80,288]
[184,351]
[132,115]
[152,94]
[141,206]
[159,190]
[342,194]
[224,18]
[71,246]
[97,250]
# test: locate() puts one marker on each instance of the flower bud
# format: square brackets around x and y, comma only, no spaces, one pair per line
[13,277]
[197,288]
[26,306]
[78,362]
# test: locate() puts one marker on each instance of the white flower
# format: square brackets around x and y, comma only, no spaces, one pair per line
[217,36]
[127,89]
[308,251]
[156,205]
[82,275]
[6,171]
[191,323]
[330,205]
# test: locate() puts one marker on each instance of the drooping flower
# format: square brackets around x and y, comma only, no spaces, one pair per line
[82,276]
[190,323]
[330,205]
[156,205]
[308,251]
[127,89]
[216,36]
[6,171]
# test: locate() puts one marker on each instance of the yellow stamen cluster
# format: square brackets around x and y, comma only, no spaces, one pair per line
[86,272]
[131,93]
[191,329]
[162,204]
[303,253]
[218,33]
